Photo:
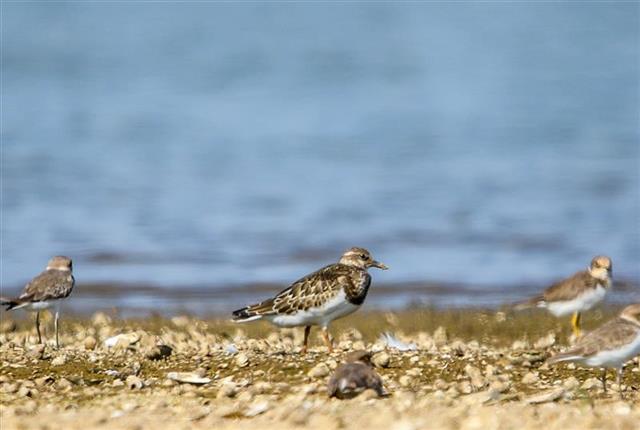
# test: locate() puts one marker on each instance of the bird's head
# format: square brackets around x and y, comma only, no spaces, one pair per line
[360,258]
[60,262]
[601,267]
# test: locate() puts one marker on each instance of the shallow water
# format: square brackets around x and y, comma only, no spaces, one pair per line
[215,145]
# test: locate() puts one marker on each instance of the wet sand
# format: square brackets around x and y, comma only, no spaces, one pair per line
[469,369]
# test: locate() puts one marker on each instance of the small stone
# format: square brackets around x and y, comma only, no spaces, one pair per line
[59,360]
[591,383]
[571,383]
[519,345]
[45,380]
[547,396]
[89,343]
[25,392]
[159,352]
[242,360]
[117,383]
[465,387]
[440,336]
[10,388]
[37,352]
[228,389]
[256,408]
[405,380]
[64,384]
[320,370]
[381,359]
[101,319]
[134,383]
[546,341]
[180,321]
[475,376]
[530,378]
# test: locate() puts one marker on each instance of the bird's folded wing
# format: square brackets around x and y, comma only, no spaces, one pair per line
[49,285]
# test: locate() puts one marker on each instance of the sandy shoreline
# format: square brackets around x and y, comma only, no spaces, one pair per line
[470,369]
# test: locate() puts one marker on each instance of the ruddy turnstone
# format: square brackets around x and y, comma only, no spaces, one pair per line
[609,346]
[576,294]
[354,376]
[319,298]
[45,290]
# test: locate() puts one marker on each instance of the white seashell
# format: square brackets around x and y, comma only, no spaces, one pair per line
[124,339]
[395,343]
[188,377]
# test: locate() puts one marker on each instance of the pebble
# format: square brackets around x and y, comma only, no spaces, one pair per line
[320,370]
[59,360]
[530,378]
[547,396]
[242,360]
[228,389]
[440,336]
[159,352]
[89,343]
[134,383]
[475,376]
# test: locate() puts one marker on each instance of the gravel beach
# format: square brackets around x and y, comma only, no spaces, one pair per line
[450,369]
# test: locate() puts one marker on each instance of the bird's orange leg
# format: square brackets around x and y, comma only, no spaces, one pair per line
[327,338]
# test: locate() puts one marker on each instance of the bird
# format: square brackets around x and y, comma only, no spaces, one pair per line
[354,377]
[329,293]
[577,293]
[609,346]
[45,290]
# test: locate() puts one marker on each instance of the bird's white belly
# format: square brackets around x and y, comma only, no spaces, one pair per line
[34,306]
[582,303]
[335,308]
[615,358]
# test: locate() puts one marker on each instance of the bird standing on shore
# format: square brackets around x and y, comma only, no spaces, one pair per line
[609,346]
[355,376]
[45,290]
[576,294]
[319,298]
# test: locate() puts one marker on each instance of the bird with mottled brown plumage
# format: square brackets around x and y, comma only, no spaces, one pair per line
[609,346]
[577,293]
[317,299]
[47,289]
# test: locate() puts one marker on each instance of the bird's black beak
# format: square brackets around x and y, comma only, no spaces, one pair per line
[379,265]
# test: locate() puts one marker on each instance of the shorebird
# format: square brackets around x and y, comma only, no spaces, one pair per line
[609,346]
[319,298]
[354,376]
[45,290]
[576,294]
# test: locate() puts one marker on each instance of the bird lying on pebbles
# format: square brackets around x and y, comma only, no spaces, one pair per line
[354,377]
[609,346]
[576,294]
[47,289]
[320,297]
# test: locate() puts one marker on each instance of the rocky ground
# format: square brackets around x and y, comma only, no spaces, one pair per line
[461,369]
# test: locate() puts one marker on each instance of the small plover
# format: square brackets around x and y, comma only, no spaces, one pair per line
[354,376]
[576,294]
[319,298]
[609,346]
[45,290]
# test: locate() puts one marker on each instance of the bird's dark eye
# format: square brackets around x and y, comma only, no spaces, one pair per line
[363,256]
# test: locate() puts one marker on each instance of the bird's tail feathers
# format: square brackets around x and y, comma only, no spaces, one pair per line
[534,302]
[564,356]
[253,312]
[11,303]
